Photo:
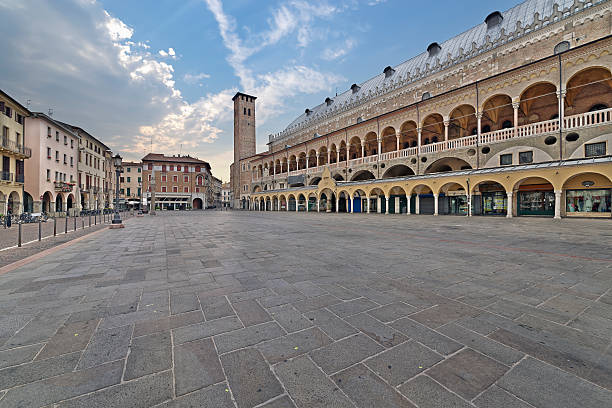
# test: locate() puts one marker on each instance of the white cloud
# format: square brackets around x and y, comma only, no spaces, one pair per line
[168,54]
[195,78]
[376,2]
[331,54]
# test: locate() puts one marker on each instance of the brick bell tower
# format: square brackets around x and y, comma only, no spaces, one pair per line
[244,142]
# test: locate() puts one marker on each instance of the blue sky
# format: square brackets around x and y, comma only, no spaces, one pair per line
[135,72]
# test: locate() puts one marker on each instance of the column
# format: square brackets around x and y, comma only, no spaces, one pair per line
[350,205]
[317,162]
[307,204]
[558,204]
[446,123]
[397,205]
[561,97]
[509,211]
[397,141]
[379,206]
[479,126]
[277,205]
[337,205]
[408,197]
[337,156]
[515,107]
[379,146]
[419,139]
[362,149]
[348,149]
[297,205]
[318,204]
[435,204]
[287,205]
[328,157]
[387,206]
[368,204]
[307,161]
[417,204]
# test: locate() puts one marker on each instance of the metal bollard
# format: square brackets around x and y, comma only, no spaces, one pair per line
[39,229]
[95,219]
[19,237]
[75,222]
[82,223]
[90,219]
[54,226]
[66,226]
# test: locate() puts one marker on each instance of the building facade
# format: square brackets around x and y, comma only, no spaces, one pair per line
[226,195]
[51,173]
[14,152]
[244,148]
[512,117]
[130,190]
[217,189]
[179,182]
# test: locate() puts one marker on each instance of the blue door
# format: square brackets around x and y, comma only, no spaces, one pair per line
[357,204]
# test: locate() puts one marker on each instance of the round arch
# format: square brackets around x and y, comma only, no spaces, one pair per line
[354,148]
[327,200]
[432,129]
[587,89]
[389,140]
[452,199]
[363,175]
[314,181]
[342,151]
[322,156]
[196,204]
[462,122]
[371,144]
[333,154]
[447,164]
[399,170]
[538,103]
[408,135]
[13,203]
[489,197]
[496,111]
[59,202]
[338,177]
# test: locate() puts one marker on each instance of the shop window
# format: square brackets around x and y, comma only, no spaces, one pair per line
[595,149]
[505,159]
[525,157]
[588,201]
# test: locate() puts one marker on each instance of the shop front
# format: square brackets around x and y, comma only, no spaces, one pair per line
[535,199]
[449,204]
[492,200]
[588,203]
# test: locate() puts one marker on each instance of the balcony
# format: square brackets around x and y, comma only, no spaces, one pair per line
[12,147]
[6,177]
[62,186]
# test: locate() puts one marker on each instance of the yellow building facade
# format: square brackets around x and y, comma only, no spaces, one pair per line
[519,124]
[13,152]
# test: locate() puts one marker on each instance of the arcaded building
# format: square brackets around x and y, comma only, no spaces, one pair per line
[512,117]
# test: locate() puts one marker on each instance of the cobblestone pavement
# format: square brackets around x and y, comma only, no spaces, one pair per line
[275,310]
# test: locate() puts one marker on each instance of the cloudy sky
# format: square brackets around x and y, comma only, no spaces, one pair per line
[160,75]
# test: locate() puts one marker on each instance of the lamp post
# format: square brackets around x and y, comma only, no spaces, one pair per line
[116,223]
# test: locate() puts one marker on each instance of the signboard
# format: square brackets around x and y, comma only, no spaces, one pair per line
[296,179]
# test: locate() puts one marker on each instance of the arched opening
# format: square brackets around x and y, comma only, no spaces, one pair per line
[354,148]
[28,202]
[534,196]
[301,161]
[312,202]
[333,154]
[69,202]
[48,199]
[327,201]
[292,203]
[489,198]
[197,204]
[399,170]
[278,167]
[363,175]
[338,177]
[314,181]
[301,203]
[359,201]
[343,199]
[342,151]
[371,144]
[462,122]
[260,171]
[495,111]
[322,156]
[257,189]
[433,129]
[539,102]
[312,158]
[377,202]
[283,203]
[268,204]
[409,135]
[389,140]
[13,203]
[447,164]
[452,200]
[588,194]
[59,203]
[422,200]
[284,165]
[275,203]
[588,89]
[398,202]
[292,163]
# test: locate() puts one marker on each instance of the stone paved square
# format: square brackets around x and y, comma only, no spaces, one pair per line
[249,309]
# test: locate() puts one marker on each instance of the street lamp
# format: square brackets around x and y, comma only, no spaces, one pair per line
[116,223]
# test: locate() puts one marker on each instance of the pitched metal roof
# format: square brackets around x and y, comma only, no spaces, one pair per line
[522,19]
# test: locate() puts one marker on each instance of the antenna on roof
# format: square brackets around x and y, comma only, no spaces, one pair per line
[336,91]
[50,111]
[28,103]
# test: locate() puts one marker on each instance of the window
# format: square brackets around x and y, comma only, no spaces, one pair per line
[56,136]
[65,159]
[56,155]
[525,157]
[72,143]
[186,179]
[185,189]
[562,47]
[197,169]
[19,119]
[245,111]
[129,169]
[595,149]
[8,112]
[197,189]
[122,191]
[72,162]
[121,180]
[505,159]
[128,191]
[48,152]
[249,111]
[149,177]
[150,166]
[163,167]
[172,167]
[163,189]
[178,168]
[175,178]
[48,131]
[129,179]
[139,179]
[139,170]
[588,201]
[139,192]
[48,175]
[65,140]
[175,189]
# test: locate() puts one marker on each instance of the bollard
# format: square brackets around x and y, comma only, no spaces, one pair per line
[66,226]
[54,226]
[19,237]
[82,223]
[75,222]
[95,219]
[39,229]
[90,219]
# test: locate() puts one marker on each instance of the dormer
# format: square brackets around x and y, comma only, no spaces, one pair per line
[307,112]
[433,49]
[388,72]
[355,88]
[329,101]
[494,19]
